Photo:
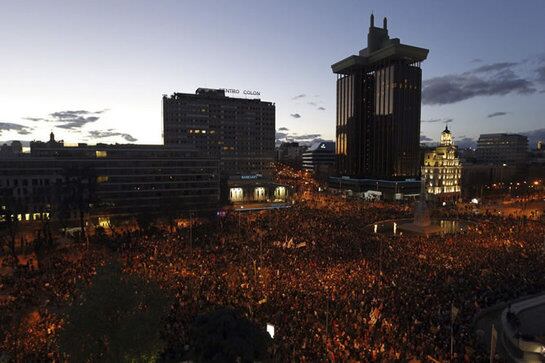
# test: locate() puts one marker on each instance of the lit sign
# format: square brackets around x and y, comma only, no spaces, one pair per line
[251,176]
[244,92]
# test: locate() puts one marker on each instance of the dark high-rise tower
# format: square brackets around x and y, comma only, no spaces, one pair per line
[378,109]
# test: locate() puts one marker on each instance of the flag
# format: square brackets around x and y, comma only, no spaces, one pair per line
[493,341]
[454,312]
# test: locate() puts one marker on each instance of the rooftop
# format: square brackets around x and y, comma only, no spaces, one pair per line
[380,48]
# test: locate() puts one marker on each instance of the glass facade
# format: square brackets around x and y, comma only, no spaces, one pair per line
[378,109]
[378,122]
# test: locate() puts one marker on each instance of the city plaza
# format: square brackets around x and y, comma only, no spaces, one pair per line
[330,289]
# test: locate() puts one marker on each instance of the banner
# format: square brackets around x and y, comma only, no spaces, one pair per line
[493,342]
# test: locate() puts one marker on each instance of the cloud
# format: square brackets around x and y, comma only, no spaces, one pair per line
[315,104]
[541,74]
[11,126]
[295,115]
[496,79]
[302,95]
[466,142]
[424,138]
[111,133]
[496,114]
[305,137]
[70,120]
[283,129]
[435,120]
[494,67]
[281,136]
[35,119]
[476,60]
[534,136]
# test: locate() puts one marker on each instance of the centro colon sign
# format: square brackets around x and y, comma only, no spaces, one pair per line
[244,92]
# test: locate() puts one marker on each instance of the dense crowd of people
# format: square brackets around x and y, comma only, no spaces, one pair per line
[332,288]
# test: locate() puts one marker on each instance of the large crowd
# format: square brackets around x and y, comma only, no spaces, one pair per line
[332,288]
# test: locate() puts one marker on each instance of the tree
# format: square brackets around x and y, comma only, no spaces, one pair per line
[9,223]
[117,318]
[225,336]
[75,192]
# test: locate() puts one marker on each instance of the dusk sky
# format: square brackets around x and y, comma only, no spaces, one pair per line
[96,71]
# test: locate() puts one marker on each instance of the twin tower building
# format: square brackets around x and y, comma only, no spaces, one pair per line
[379,94]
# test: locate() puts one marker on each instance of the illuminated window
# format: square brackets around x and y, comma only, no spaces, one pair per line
[101,154]
[102,178]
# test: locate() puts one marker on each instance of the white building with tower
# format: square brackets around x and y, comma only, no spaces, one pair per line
[442,170]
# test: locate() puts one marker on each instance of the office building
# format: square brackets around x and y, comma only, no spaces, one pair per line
[442,170]
[508,149]
[290,153]
[320,158]
[378,110]
[239,132]
[107,180]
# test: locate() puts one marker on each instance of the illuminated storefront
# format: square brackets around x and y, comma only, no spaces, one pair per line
[236,195]
[280,194]
[259,194]
[248,189]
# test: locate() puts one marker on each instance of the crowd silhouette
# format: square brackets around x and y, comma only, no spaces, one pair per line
[332,288]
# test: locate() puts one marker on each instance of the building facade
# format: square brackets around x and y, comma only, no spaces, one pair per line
[509,149]
[320,158]
[251,189]
[239,132]
[290,153]
[107,180]
[442,170]
[378,109]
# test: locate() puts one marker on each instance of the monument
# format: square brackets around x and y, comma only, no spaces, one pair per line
[422,222]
